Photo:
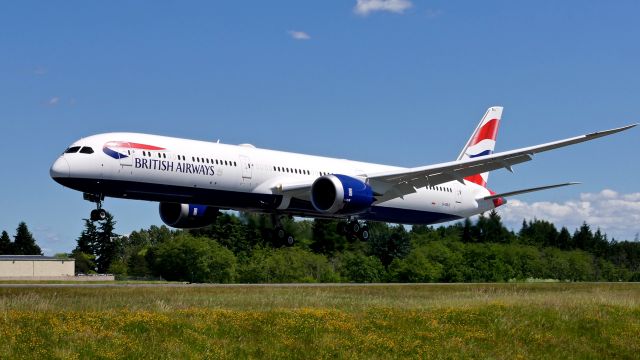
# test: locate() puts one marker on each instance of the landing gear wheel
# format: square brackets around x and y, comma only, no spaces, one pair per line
[354,227]
[98,215]
[289,241]
[282,237]
[364,233]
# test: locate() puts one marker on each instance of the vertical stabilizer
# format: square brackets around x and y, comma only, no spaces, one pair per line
[482,142]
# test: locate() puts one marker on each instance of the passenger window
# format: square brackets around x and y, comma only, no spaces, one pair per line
[86,150]
[71,150]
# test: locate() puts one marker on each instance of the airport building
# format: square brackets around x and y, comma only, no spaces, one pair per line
[35,267]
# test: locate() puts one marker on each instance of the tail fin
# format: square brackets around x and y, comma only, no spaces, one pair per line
[482,142]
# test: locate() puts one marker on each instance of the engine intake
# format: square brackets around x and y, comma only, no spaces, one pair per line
[187,216]
[342,194]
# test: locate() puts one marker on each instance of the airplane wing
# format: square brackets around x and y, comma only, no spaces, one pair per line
[397,183]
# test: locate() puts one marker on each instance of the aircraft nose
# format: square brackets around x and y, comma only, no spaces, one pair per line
[60,168]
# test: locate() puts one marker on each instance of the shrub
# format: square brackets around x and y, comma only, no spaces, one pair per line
[195,260]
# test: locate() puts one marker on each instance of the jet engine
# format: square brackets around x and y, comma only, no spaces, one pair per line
[187,216]
[332,194]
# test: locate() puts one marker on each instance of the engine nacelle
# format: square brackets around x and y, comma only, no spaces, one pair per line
[187,216]
[342,194]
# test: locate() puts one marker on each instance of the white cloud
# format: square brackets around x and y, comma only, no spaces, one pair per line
[299,35]
[617,215]
[364,7]
[53,101]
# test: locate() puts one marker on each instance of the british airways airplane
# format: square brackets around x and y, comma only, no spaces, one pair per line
[194,180]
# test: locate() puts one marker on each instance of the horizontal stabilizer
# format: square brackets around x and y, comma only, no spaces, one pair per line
[524,191]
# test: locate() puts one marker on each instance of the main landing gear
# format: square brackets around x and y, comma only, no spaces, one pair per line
[353,229]
[99,213]
[279,234]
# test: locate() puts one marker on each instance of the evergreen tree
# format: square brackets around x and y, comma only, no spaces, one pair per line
[107,244]
[24,243]
[389,243]
[495,232]
[88,240]
[583,238]
[326,239]
[564,240]
[467,231]
[539,233]
[5,244]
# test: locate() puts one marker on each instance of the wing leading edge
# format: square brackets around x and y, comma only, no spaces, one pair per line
[393,184]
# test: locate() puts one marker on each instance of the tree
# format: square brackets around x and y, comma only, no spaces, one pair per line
[564,240]
[326,239]
[539,233]
[87,242]
[195,259]
[495,232]
[389,243]
[24,243]
[360,268]
[107,243]
[583,238]
[85,263]
[6,247]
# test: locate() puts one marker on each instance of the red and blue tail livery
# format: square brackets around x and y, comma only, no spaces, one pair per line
[482,142]
[193,180]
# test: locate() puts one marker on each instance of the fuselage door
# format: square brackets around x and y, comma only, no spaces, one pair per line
[458,188]
[247,170]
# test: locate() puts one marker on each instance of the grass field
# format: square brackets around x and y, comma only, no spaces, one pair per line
[502,321]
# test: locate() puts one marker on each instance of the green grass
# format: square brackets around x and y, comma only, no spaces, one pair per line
[501,321]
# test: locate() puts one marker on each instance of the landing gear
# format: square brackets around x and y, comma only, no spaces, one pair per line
[99,213]
[280,235]
[353,229]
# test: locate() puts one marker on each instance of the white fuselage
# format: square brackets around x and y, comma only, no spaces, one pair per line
[240,177]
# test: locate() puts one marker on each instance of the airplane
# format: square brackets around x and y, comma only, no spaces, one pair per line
[193,180]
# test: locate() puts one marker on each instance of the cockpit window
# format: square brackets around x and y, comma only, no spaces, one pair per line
[73,149]
[86,150]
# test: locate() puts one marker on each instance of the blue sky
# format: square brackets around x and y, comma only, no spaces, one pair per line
[398,82]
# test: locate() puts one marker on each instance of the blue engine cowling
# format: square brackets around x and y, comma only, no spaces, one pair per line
[187,216]
[333,194]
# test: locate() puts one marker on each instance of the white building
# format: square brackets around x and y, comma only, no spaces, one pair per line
[35,267]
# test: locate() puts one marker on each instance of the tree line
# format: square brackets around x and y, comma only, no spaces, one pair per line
[23,242]
[239,248]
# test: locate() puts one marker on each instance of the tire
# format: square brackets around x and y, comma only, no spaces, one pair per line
[280,233]
[102,214]
[94,215]
[364,233]
[289,240]
[355,227]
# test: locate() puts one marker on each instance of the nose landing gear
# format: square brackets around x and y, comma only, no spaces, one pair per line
[99,213]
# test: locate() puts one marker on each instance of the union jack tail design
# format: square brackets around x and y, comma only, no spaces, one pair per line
[482,142]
